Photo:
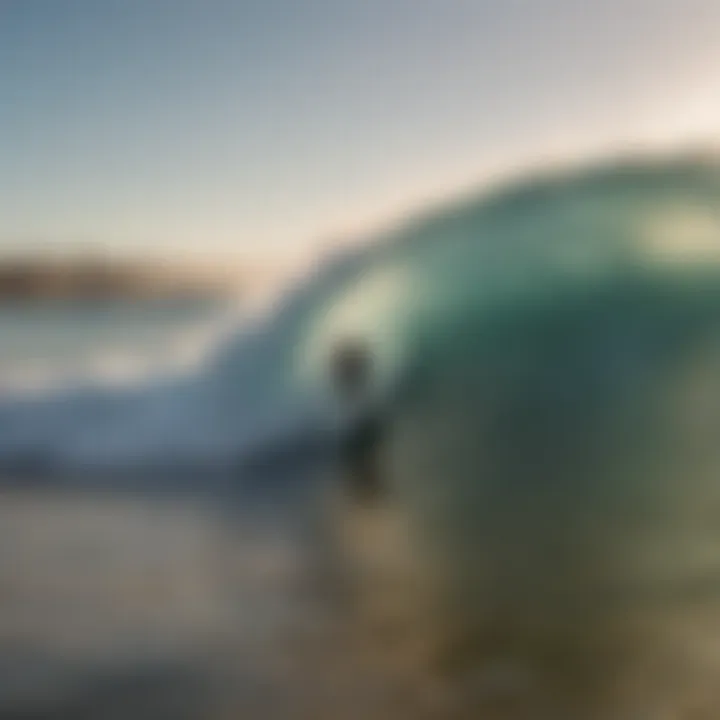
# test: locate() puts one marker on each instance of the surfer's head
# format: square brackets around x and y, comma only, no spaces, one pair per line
[351,369]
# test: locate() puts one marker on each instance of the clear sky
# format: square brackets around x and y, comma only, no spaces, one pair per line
[267,127]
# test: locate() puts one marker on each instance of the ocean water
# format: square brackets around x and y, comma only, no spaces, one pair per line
[59,342]
[547,357]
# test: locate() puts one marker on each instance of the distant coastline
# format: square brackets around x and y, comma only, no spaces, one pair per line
[38,279]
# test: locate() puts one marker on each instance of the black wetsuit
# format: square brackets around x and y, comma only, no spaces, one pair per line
[360,457]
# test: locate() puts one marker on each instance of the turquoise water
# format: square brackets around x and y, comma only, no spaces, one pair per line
[534,241]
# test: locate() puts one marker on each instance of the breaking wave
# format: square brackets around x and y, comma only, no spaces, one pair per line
[259,378]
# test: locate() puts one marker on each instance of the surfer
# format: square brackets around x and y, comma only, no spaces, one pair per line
[351,372]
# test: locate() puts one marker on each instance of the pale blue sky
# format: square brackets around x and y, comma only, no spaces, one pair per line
[269,126]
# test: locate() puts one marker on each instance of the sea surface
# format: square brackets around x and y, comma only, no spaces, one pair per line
[58,341]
